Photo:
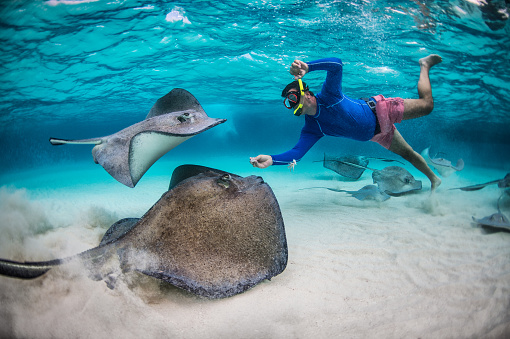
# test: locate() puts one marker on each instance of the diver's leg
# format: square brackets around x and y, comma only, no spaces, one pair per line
[415,108]
[402,148]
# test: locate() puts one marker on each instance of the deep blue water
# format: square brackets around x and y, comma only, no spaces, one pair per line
[78,69]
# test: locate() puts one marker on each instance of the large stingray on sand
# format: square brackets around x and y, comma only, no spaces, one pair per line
[442,165]
[129,153]
[214,234]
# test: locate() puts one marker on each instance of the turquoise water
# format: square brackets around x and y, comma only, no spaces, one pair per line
[412,266]
[76,69]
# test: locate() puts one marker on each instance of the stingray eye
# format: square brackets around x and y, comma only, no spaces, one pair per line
[224,181]
[183,117]
[407,180]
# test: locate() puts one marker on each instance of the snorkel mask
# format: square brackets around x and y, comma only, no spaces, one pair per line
[293,99]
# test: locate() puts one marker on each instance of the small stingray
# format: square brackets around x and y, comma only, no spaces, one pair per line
[393,180]
[129,153]
[495,221]
[368,192]
[344,165]
[502,183]
[214,234]
[498,220]
[443,166]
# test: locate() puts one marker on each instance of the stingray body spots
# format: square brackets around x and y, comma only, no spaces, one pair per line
[214,234]
[237,221]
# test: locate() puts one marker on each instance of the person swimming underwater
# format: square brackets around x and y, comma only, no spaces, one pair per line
[332,113]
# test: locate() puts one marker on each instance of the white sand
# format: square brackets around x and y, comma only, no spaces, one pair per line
[413,266]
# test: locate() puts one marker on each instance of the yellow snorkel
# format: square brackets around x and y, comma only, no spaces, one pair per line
[299,108]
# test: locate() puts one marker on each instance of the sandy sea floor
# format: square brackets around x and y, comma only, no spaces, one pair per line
[414,266]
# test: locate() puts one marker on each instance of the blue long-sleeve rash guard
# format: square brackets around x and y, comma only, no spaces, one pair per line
[337,114]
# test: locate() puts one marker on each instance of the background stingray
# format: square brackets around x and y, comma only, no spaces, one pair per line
[443,166]
[129,153]
[497,221]
[368,192]
[395,180]
[214,234]
[502,183]
[344,165]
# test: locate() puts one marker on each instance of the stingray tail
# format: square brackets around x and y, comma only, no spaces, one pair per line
[57,142]
[31,270]
[386,160]
[354,165]
[26,270]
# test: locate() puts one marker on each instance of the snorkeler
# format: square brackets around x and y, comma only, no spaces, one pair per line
[331,112]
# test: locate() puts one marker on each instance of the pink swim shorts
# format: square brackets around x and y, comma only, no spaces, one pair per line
[389,111]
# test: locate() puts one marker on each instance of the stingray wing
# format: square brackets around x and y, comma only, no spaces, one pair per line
[184,172]
[445,171]
[459,166]
[176,100]
[118,230]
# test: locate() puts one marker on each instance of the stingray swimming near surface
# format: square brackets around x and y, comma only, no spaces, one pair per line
[443,166]
[502,183]
[129,153]
[214,234]
[349,166]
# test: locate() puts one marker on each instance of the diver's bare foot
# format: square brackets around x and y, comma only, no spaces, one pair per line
[435,184]
[430,60]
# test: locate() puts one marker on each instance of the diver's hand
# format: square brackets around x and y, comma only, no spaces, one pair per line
[261,161]
[298,69]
